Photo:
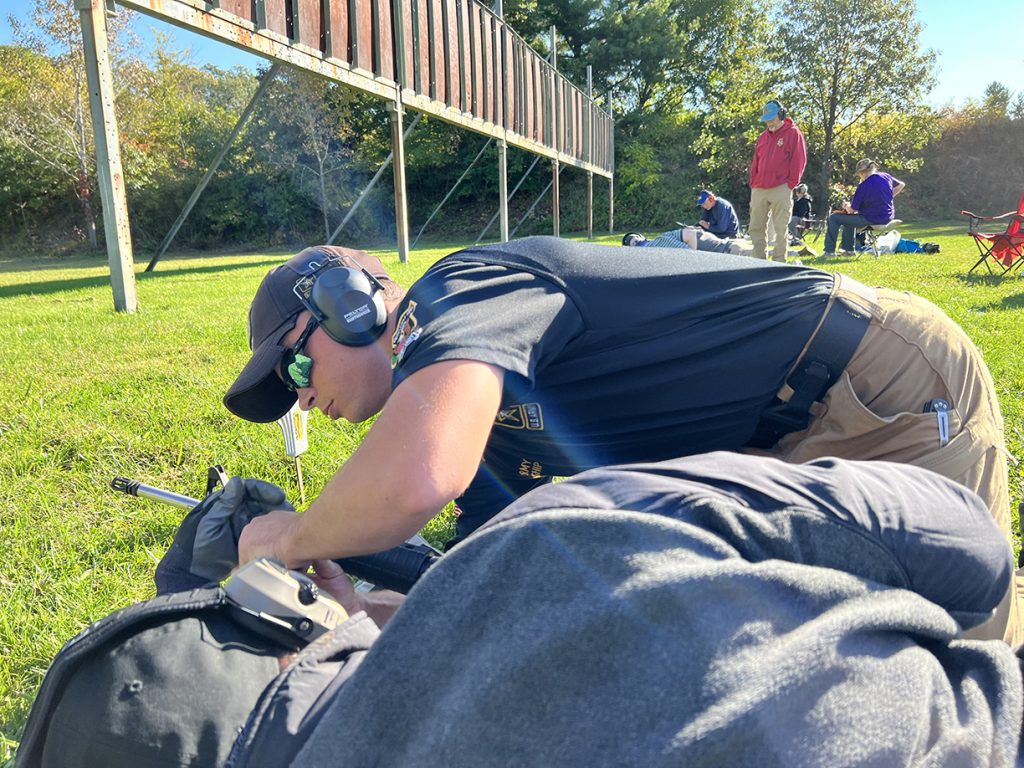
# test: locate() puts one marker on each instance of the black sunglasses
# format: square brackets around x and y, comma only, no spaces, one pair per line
[296,368]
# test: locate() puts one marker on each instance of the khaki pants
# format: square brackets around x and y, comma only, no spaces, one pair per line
[779,202]
[910,354]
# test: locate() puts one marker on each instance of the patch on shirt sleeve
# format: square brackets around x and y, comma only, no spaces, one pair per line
[523,416]
[406,332]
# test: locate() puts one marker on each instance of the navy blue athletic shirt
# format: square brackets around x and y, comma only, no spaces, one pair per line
[612,355]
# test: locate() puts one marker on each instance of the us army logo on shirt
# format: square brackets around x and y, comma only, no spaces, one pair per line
[524,416]
[406,332]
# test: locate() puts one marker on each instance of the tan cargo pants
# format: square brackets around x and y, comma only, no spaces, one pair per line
[912,353]
[779,202]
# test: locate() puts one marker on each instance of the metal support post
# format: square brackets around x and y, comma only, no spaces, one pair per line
[401,201]
[556,133]
[108,154]
[510,196]
[239,125]
[588,142]
[503,187]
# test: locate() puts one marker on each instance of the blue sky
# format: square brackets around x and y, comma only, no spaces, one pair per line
[971,54]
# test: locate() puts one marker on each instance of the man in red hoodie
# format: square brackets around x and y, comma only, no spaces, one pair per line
[779,159]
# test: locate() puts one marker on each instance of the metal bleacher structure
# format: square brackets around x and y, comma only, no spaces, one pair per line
[455,60]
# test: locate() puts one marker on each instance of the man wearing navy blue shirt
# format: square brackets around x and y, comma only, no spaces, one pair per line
[509,364]
[717,215]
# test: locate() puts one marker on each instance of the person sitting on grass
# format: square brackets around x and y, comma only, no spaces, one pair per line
[801,212]
[872,204]
[717,216]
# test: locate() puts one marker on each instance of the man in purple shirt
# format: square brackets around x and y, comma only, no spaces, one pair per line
[871,204]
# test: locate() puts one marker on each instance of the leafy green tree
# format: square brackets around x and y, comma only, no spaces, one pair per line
[50,119]
[750,73]
[975,164]
[174,120]
[31,187]
[651,54]
[849,60]
[996,99]
[892,139]
[307,130]
[1016,110]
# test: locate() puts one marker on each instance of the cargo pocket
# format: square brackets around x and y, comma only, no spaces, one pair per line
[846,428]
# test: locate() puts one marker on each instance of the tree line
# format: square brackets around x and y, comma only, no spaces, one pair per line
[685,80]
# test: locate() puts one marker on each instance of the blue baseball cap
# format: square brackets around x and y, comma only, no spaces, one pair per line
[703,197]
[770,111]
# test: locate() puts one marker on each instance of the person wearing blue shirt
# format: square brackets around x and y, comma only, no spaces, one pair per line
[717,216]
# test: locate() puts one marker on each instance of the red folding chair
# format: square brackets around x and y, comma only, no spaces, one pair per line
[1004,250]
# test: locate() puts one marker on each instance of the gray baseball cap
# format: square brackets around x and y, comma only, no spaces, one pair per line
[258,393]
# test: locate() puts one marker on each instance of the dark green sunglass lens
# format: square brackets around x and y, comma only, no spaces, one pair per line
[297,370]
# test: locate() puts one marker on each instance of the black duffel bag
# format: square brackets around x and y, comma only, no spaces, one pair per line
[179,680]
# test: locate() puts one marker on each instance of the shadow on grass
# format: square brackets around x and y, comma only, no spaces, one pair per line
[830,263]
[932,229]
[43,287]
[1014,301]
[990,280]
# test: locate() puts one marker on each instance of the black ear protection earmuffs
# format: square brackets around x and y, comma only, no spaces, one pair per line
[347,301]
[782,110]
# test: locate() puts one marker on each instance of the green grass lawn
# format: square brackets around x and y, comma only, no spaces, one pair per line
[87,394]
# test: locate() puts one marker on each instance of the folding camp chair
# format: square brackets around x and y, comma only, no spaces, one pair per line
[870,234]
[810,229]
[1003,250]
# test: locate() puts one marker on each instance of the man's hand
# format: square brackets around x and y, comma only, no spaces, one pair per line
[265,536]
[204,548]
[704,223]
[332,579]
[380,604]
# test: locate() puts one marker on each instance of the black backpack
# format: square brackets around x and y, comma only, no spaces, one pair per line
[179,680]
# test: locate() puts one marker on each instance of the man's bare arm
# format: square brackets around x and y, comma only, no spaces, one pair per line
[422,452]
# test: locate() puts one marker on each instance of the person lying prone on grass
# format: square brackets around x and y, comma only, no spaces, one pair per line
[506,365]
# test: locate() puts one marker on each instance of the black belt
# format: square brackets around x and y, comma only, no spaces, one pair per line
[818,368]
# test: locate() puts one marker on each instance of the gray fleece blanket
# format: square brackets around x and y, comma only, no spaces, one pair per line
[718,610]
